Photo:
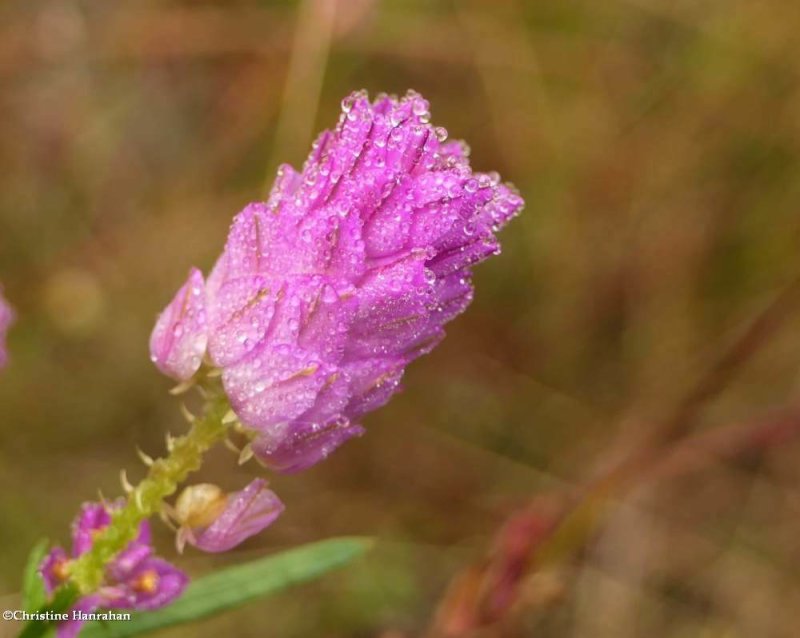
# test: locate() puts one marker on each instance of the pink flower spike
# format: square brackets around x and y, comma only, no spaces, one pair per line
[243,514]
[179,339]
[134,579]
[351,270]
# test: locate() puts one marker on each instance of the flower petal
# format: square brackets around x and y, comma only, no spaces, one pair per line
[152,584]
[246,513]
[51,568]
[92,517]
[178,341]
[301,445]
[128,560]
[372,383]
[282,376]
[242,317]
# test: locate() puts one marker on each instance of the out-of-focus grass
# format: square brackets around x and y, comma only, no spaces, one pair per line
[658,147]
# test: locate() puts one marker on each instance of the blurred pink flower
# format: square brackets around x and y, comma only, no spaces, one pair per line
[351,269]
[6,319]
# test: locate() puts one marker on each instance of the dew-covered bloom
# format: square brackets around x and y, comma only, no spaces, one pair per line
[134,579]
[216,522]
[6,319]
[327,291]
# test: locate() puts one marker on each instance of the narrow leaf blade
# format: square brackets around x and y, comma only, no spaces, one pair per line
[33,593]
[232,587]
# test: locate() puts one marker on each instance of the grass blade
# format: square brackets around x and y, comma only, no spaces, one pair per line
[237,585]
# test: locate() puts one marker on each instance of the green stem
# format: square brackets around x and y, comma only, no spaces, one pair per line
[147,497]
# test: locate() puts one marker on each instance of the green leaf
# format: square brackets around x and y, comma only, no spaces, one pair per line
[63,599]
[235,586]
[33,593]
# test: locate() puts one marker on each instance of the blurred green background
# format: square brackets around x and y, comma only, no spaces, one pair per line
[658,147]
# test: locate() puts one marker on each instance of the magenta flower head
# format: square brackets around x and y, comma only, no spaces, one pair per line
[216,522]
[6,319]
[326,292]
[135,579]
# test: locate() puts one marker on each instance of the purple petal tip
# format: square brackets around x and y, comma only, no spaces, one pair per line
[178,341]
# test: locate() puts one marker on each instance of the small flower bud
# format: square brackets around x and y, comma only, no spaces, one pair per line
[215,522]
[179,339]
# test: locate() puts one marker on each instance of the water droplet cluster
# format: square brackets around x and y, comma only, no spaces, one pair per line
[347,273]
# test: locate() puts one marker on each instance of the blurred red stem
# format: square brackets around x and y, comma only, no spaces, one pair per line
[536,535]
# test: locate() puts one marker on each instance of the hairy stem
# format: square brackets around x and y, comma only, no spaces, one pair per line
[147,497]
